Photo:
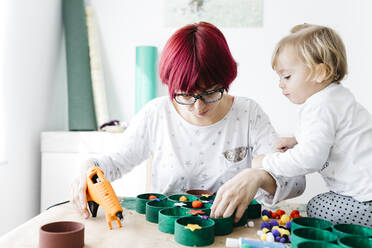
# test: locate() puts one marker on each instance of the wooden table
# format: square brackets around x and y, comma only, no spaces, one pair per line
[136,231]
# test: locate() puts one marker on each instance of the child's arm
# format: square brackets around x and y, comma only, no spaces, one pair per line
[315,139]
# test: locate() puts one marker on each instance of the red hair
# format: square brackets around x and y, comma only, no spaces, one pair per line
[196,57]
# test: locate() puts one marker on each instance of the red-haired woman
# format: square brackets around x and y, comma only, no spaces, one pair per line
[199,136]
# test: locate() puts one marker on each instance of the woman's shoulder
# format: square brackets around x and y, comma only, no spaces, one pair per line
[246,103]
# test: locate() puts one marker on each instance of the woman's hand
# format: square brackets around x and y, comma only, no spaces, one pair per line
[285,143]
[79,187]
[239,191]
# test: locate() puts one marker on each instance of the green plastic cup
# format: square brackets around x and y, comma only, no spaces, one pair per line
[153,208]
[198,237]
[253,211]
[346,230]
[312,234]
[142,199]
[352,241]
[223,226]
[168,216]
[316,244]
[190,198]
[302,222]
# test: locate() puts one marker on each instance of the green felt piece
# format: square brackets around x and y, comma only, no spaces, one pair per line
[253,211]
[345,230]
[142,199]
[312,234]
[128,203]
[199,237]
[358,242]
[316,244]
[310,222]
[153,208]
[168,216]
[146,75]
[81,113]
[175,198]
[223,226]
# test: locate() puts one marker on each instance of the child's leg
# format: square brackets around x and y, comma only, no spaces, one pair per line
[340,209]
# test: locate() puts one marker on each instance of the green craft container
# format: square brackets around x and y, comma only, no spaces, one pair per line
[190,198]
[153,208]
[253,211]
[199,237]
[357,242]
[223,226]
[142,199]
[316,244]
[209,198]
[311,234]
[346,230]
[168,216]
[302,222]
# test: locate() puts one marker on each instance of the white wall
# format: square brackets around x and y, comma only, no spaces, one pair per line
[32,72]
[34,79]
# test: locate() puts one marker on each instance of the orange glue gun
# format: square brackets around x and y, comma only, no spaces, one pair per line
[100,192]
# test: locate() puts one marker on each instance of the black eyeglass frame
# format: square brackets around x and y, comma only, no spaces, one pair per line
[200,96]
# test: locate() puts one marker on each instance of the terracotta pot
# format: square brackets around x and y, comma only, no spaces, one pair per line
[62,234]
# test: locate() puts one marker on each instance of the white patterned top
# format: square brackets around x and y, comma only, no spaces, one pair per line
[185,156]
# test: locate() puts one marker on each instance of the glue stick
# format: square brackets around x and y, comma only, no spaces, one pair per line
[248,243]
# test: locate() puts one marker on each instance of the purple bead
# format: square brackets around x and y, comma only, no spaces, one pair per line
[288,225]
[282,240]
[210,201]
[266,212]
[274,223]
[276,233]
[277,238]
[290,238]
[265,225]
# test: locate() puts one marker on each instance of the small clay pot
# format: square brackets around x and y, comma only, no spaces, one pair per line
[62,234]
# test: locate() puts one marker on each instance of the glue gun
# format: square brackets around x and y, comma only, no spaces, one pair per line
[100,192]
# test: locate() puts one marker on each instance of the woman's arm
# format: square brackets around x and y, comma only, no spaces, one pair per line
[239,191]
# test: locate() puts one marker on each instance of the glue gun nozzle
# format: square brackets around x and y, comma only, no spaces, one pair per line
[120,215]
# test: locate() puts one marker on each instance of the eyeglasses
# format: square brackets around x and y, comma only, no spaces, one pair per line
[207,97]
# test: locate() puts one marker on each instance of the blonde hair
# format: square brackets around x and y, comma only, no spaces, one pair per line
[316,45]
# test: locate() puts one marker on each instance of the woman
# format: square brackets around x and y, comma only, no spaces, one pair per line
[199,136]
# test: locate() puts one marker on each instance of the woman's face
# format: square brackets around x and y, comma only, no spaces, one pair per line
[200,110]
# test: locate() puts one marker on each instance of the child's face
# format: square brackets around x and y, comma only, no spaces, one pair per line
[294,76]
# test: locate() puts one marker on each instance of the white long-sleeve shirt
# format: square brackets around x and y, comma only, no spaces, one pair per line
[334,136]
[185,156]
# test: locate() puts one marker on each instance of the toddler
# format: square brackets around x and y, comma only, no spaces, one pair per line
[334,133]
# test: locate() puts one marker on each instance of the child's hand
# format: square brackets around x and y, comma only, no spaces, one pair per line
[283,144]
[257,161]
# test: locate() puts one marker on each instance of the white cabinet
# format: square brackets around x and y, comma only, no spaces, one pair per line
[61,153]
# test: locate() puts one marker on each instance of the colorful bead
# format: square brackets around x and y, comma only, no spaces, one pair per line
[265,218]
[183,198]
[265,225]
[152,197]
[197,204]
[250,223]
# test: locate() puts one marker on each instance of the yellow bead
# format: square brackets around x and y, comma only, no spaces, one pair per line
[275,227]
[285,218]
[265,230]
[263,237]
[265,218]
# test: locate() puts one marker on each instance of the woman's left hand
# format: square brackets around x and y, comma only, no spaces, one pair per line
[238,192]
